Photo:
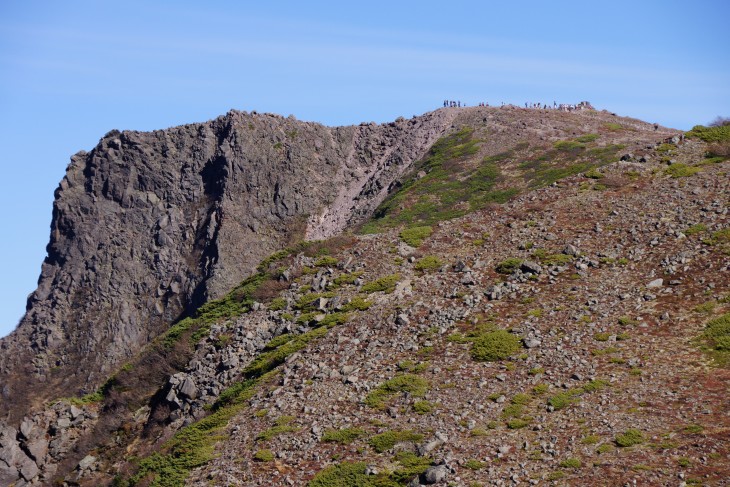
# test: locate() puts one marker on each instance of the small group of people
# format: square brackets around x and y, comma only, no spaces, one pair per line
[565,107]
[453,104]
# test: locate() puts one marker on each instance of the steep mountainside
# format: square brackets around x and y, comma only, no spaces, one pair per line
[485,296]
[147,226]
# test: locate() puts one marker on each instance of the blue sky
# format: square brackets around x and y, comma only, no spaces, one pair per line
[71,71]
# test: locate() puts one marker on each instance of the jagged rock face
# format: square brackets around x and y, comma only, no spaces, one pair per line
[149,225]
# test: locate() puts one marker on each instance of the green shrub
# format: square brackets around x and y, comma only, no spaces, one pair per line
[326,261]
[705,308]
[343,436]
[717,337]
[590,440]
[630,437]
[517,423]
[411,466]
[277,304]
[571,463]
[473,464]
[695,229]
[422,407]
[593,174]
[680,170]
[605,448]
[555,259]
[512,411]
[385,441]
[410,383]
[428,263]
[626,321]
[710,134]
[562,400]
[601,337]
[521,398]
[569,146]
[385,284]
[415,236]
[594,385]
[345,474]
[279,429]
[719,237]
[349,278]
[508,266]
[264,456]
[684,462]
[587,138]
[557,475]
[357,304]
[495,345]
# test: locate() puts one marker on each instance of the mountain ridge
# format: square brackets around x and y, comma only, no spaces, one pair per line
[542,148]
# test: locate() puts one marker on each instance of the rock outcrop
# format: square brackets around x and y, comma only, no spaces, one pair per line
[149,225]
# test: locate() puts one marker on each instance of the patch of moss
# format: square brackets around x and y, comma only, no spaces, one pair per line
[264,456]
[562,400]
[357,304]
[405,383]
[680,170]
[716,339]
[428,263]
[343,436]
[517,423]
[385,284]
[414,236]
[326,261]
[571,463]
[423,407]
[508,266]
[345,474]
[496,345]
[385,441]
[630,437]
[473,464]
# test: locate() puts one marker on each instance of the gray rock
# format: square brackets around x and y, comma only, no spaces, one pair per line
[75,411]
[655,283]
[434,475]
[320,304]
[188,388]
[571,250]
[530,267]
[428,447]
[402,320]
[532,342]
[8,474]
[468,279]
[87,462]
[27,427]
[28,469]
[38,449]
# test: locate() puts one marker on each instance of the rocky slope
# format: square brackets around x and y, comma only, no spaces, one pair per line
[372,357]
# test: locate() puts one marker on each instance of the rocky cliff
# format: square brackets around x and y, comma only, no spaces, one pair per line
[147,226]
